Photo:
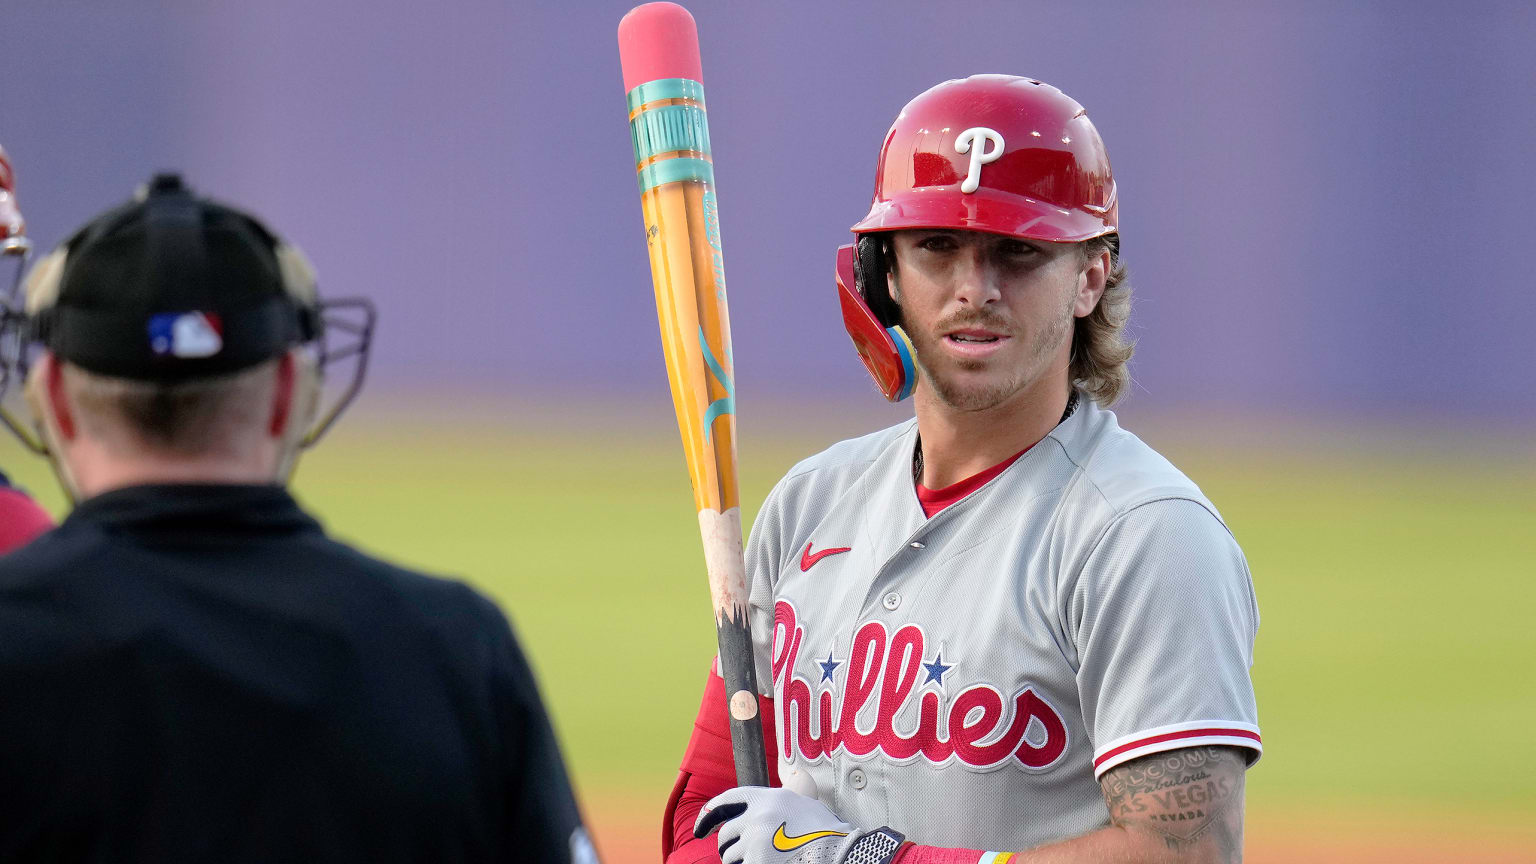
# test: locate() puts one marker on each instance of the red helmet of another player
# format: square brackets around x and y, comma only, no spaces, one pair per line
[994,153]
[14,244]
[14,247]
[13,229]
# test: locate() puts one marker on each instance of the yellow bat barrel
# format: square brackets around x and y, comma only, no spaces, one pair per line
[682,229]
[663,81]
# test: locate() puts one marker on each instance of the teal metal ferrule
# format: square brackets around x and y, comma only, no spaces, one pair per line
[677,126]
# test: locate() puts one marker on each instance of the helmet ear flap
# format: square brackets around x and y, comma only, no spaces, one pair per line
[885,350]
[869,272]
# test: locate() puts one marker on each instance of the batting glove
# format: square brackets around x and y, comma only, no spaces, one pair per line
[759,825]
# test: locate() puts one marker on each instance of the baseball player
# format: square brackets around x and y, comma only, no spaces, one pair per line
[20,517]
[192,669]
[1006,630]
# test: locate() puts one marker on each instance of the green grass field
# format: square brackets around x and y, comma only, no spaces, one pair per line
[1393,663]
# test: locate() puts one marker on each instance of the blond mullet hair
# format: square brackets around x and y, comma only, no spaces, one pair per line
[1101,349]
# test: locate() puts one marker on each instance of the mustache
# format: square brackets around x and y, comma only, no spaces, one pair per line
[979,319]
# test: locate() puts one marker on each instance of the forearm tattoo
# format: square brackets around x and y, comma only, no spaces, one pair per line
[1191,798]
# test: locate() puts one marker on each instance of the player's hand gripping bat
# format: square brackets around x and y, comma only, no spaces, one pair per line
[659,53]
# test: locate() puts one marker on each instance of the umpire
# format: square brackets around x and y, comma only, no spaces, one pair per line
[190,670]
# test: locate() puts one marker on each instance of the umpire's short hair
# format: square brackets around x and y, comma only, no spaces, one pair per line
[195,417]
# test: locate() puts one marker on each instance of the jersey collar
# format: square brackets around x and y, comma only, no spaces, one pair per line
[194,508]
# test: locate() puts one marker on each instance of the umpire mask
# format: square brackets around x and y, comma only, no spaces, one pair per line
[170,288]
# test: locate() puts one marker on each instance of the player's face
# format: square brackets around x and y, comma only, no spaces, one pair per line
[989,316]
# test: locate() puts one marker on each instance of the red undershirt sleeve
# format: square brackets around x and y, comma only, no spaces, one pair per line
[708,769]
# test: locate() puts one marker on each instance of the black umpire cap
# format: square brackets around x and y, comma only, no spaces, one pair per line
[170,286]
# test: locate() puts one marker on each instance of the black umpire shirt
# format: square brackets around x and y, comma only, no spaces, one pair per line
[197,673]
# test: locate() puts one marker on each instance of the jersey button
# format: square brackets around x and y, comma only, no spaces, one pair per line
[856,778]
[892,600]
[916,545]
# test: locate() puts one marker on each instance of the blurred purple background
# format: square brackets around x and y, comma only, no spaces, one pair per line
[1324,205]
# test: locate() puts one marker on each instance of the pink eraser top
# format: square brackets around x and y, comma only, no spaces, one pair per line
[658,40]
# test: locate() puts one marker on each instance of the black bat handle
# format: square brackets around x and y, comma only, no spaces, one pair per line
[740,674]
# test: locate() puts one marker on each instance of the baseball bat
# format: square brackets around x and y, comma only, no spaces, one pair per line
[663,81]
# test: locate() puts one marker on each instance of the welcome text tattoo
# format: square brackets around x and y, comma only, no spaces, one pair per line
[1191,798]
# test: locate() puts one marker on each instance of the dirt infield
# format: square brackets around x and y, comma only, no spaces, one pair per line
[627,831]
[1286,839]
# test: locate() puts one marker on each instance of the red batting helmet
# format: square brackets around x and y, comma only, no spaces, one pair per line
[14,248]
[13,228]
[994,153]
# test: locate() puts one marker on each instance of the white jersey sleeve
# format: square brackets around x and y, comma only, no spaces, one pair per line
[764,556]
[1163,618]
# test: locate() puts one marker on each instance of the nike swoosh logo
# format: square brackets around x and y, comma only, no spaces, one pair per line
[785,843]
[808,559]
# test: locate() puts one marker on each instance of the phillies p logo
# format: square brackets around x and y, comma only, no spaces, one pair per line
[974,141]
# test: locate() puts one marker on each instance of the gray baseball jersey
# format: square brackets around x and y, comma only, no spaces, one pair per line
[967,678]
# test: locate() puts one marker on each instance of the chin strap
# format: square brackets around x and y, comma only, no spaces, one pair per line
[886,351]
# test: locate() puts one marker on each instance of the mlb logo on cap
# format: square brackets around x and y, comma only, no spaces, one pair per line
[186,334]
